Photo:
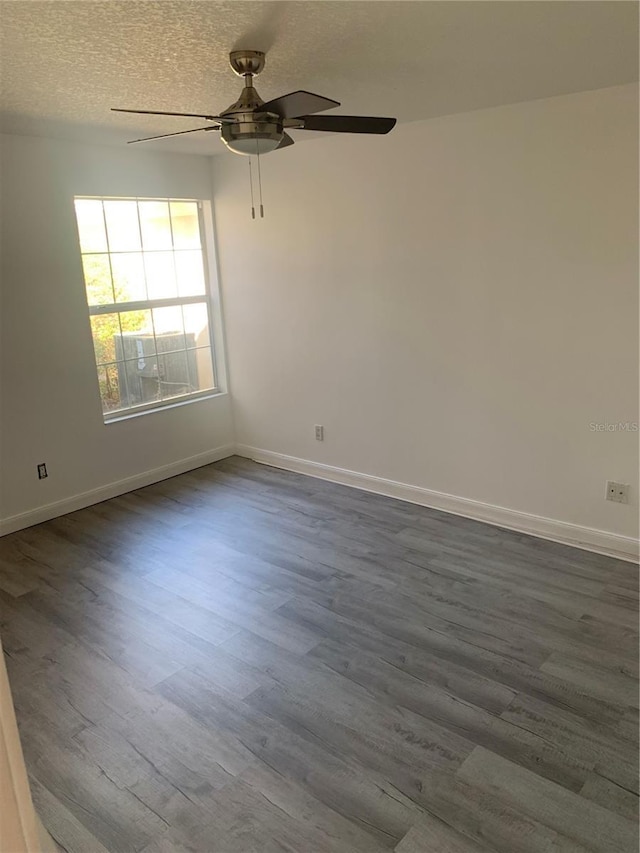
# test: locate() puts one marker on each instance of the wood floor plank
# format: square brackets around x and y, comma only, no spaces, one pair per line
[245,659]
[251,821]
[597,681]
[215,559]
[365,798]
[430,665]
[64,827]
[611,638]
[14,577]
[114,816]
[301,806]
[596,828]
[86,617]
[135,641]
[510,740]
[433,834]
[628,727]
[168,736]
[26,634]
[35,698]
[502,669]
[430,669]
[612,796]
[175,609]
[488,818]
[386,611]
[497,566]
[243,610]
[92,684]
[598,745]
[332,702]
[546,632]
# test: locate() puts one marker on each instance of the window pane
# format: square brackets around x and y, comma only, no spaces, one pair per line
[196,325]
[122,225]
[155,224]
[97,279]
[105,329]
[174,375]
[137,340]
[190,273]
[143,382]
[109,382]
[137,321]
[128,277]
[200,365]
[91,229]
[185,224]
[161,276]
[169,330]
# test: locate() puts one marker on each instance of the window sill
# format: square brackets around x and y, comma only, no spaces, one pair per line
[153,409]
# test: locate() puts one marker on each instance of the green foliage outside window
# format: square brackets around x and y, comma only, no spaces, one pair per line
[105,327]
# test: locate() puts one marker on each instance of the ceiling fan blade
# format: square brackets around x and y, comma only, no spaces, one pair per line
[286,141]
[348,124]
[158,113]
[295,103]
[179,133]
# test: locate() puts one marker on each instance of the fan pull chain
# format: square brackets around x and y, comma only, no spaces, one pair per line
[253,209]
[259,182]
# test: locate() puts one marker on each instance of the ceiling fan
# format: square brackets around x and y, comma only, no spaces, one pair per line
[252,126]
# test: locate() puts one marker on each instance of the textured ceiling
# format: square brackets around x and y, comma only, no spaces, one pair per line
[64,64]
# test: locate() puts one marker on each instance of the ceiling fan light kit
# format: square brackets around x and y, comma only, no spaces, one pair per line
[251,126]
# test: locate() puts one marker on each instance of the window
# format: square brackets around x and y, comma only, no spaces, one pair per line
[145,275]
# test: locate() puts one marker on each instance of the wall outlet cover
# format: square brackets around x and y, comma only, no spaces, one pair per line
[617,492]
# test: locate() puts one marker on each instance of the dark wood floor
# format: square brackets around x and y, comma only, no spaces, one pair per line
[243,659]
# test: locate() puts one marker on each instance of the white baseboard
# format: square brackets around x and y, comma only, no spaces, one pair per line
[578,536]
[112,490]
[587,538]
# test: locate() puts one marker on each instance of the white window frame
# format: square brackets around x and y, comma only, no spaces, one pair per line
[211,298]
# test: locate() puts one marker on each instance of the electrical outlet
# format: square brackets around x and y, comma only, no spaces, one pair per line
[319,432]
[42,471]
[618,492]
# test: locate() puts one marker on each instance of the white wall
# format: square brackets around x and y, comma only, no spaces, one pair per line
[456,303]
[48,389]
